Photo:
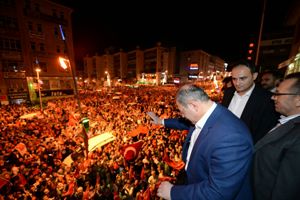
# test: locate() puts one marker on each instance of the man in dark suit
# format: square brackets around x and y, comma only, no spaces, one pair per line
[276,163]
[217,151]
[249,102]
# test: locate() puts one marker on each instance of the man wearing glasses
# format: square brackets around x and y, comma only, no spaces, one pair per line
[276,163]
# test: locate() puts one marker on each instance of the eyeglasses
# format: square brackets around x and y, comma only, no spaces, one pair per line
[280,94]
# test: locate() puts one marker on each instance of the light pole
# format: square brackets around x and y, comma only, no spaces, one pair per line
[260,33]
[38,70]
[64,62]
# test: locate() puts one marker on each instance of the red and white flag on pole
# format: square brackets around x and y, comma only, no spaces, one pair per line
[131,151]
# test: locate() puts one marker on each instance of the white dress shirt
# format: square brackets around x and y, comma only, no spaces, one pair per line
[239,102]
[196,132]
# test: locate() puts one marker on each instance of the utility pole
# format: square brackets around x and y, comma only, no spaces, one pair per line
[260,32]
[84,120]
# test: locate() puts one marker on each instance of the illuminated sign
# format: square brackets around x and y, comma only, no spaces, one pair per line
[194,67]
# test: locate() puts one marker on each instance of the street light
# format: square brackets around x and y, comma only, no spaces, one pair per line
[108,78]
[65,64]
[165,81]
[38,70]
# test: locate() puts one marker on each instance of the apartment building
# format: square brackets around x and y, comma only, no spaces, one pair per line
[156,65]
[30,38]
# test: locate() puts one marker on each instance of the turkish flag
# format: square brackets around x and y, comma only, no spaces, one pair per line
[178,165]
[131,151]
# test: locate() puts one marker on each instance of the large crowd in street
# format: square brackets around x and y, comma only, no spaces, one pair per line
[33,149]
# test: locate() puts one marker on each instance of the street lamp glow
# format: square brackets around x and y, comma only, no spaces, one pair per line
[38,70]
[64,63]
[108,78]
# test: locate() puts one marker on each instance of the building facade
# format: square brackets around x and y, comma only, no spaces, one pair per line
[292,64]
[157,65]
[131,67]
[34,34]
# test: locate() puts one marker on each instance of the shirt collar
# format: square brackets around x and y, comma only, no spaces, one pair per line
[203,119]
[283,119]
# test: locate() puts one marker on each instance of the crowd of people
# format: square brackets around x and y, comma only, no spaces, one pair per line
[37,170]
[34,149]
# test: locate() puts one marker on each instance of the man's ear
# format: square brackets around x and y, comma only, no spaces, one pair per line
[255,74]
[298,101]
[194,105]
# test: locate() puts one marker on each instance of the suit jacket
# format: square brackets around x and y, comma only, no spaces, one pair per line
[259,113]
[220,161]
[276,163]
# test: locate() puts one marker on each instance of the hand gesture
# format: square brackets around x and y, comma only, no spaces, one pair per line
[155,119]
[164,190]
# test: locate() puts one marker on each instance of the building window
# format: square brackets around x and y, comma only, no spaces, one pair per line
[54,13]
[8,3]
[62,15]
[8,23]
[9,66]
[13,24]
[39,28]
[42,47]
[32,46]
[27,4]
[56,32]
[58,49]
[37,7]
[30,27]
[10,44]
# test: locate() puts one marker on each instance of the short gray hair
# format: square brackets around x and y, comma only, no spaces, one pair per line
[191,92]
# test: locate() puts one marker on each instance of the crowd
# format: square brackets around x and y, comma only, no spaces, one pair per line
[34,149]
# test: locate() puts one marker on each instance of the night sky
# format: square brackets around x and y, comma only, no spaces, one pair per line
[221,28]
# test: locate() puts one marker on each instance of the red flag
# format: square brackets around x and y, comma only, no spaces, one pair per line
[21,148]
[22,179]
[71,189]
[131,151]
[86,193]
[147,194]
[142,176]
[116,196]
[131,172]
[139,130]
[178,165]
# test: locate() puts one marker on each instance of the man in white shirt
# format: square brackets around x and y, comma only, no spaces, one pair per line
[249,102]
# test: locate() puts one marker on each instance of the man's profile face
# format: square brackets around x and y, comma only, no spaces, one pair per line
[242,78]
[286,104]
